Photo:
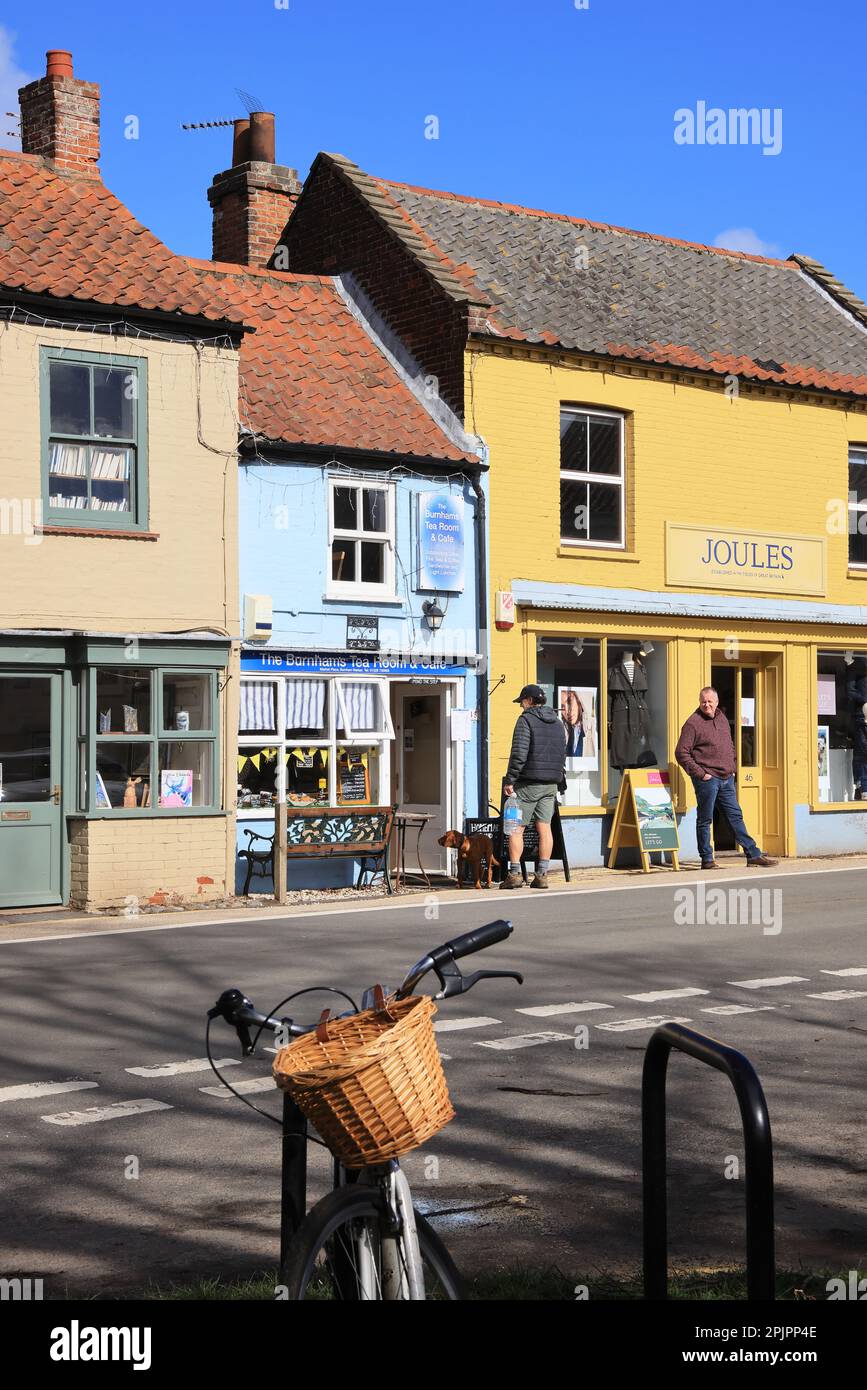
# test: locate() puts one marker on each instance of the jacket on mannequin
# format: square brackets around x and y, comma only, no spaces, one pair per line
[628,715]
[856,693]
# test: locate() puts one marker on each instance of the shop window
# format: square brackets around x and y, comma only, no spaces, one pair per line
[361,538]
[333,751]
[841,735]
[633,727]
[94,413]
[858,507]
[307,708]
[257,776]
[149,739]
[569,672]
[592,501]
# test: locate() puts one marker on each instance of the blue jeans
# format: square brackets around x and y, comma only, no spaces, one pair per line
[720,791]
[859,774]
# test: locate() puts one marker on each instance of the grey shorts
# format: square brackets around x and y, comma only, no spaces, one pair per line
[537,801]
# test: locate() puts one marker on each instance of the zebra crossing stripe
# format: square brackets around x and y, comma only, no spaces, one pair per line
[178,1068]
[740,1009]
[35,1089]
[840,994]
[655,996]
[850,970]
[548,1010]
[453,1025]
[526,1040]
[771,981]
[122,1110]
[244,1088]
[629,1025]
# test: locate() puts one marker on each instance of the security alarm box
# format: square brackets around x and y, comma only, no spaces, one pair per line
[258,617]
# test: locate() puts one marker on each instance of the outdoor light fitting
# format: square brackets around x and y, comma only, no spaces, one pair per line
[433,614]
[848,657]
[646,648]
[578,646]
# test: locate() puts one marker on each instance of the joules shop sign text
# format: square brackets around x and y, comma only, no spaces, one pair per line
[754,561]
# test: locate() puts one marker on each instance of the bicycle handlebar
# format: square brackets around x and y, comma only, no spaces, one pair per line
[241,1014]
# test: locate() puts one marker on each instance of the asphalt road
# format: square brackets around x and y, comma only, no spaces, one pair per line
[542,1164]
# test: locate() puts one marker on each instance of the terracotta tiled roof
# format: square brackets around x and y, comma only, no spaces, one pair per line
[70,238]
[564,281]
[310,374]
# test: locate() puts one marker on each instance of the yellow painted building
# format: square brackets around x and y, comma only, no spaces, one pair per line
[677,449]
[118,538]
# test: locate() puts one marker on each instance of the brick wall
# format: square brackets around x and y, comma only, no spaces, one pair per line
[160,861]
[333,232]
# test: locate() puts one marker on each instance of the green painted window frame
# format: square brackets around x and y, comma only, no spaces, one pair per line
[90,738]
[79,519]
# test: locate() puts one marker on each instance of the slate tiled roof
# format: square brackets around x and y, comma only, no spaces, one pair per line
[309,372]
[70,238]
[650,298]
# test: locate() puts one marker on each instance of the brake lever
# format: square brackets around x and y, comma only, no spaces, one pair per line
[452,982]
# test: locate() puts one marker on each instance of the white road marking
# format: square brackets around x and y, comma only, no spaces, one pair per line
[840,994]
[122,1110]
[628,1025]
[546,1010]
[34,1089]
[655,995]
[771,980]
[850,970]
[244,1088]
[176,1068]
[452,1025]
[526,1040]
[740,1009]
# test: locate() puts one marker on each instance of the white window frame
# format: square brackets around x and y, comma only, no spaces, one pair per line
[387,538]
[856,509]
[571,475]
[363,735]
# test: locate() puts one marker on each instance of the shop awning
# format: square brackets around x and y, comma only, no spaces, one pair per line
[589,599]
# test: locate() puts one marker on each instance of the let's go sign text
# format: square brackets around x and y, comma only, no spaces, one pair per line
[764,562]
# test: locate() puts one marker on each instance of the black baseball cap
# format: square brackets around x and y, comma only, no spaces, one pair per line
[532,692]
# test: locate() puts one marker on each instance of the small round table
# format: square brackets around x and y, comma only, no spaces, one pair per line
[404,821]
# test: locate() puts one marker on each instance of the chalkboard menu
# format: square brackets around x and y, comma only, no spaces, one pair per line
[352,781]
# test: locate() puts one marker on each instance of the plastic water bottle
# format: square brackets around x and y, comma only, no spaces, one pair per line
[512,817]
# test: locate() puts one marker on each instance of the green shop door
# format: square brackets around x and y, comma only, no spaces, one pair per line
[30,813]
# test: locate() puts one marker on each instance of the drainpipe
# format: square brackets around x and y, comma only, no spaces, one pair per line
[482,603]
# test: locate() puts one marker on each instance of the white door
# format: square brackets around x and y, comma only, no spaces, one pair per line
[420,775]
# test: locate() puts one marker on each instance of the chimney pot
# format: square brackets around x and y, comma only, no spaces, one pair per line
[58,63]
[241,142]
[262,143]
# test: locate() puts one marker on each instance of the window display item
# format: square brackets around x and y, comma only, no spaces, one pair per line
[628,713]
[176,787]
[578,711]
[129,798]
[182,720]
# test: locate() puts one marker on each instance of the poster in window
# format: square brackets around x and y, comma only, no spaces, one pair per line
[176,787]
[578,705]
[823,759]
[827,694]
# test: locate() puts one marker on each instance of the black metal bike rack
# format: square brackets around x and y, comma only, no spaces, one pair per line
[758,1154]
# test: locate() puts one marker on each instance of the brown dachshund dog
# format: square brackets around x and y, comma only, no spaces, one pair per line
[472,849]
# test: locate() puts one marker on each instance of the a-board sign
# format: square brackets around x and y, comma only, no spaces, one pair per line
[311,830]
[644,818]
[494,828]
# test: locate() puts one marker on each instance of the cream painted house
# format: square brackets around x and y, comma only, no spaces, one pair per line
[118,569]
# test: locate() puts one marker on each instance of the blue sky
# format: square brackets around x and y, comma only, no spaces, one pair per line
[538,103]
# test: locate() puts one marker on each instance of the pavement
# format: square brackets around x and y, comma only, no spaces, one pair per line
[143,1173]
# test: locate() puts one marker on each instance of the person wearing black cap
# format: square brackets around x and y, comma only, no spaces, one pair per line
[536,766]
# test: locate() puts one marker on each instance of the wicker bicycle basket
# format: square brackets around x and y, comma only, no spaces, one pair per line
[373,1083]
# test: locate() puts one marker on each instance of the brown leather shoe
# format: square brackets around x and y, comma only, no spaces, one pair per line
[711,864]
[512,881]
[539,881]
[761,861]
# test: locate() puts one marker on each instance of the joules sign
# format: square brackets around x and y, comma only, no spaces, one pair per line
[766,562]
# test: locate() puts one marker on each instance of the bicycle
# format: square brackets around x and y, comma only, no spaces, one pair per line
[364,1241]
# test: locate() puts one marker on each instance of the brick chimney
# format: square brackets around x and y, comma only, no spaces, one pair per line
[253,200]
[60,117]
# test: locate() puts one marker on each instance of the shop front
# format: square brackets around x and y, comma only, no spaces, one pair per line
[624,670]
[111,773]
[352,729]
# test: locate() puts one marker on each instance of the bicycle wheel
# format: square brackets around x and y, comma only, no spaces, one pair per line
[337,1252]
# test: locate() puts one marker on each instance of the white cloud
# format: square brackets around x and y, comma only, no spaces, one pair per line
[11,78]
[745,239]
